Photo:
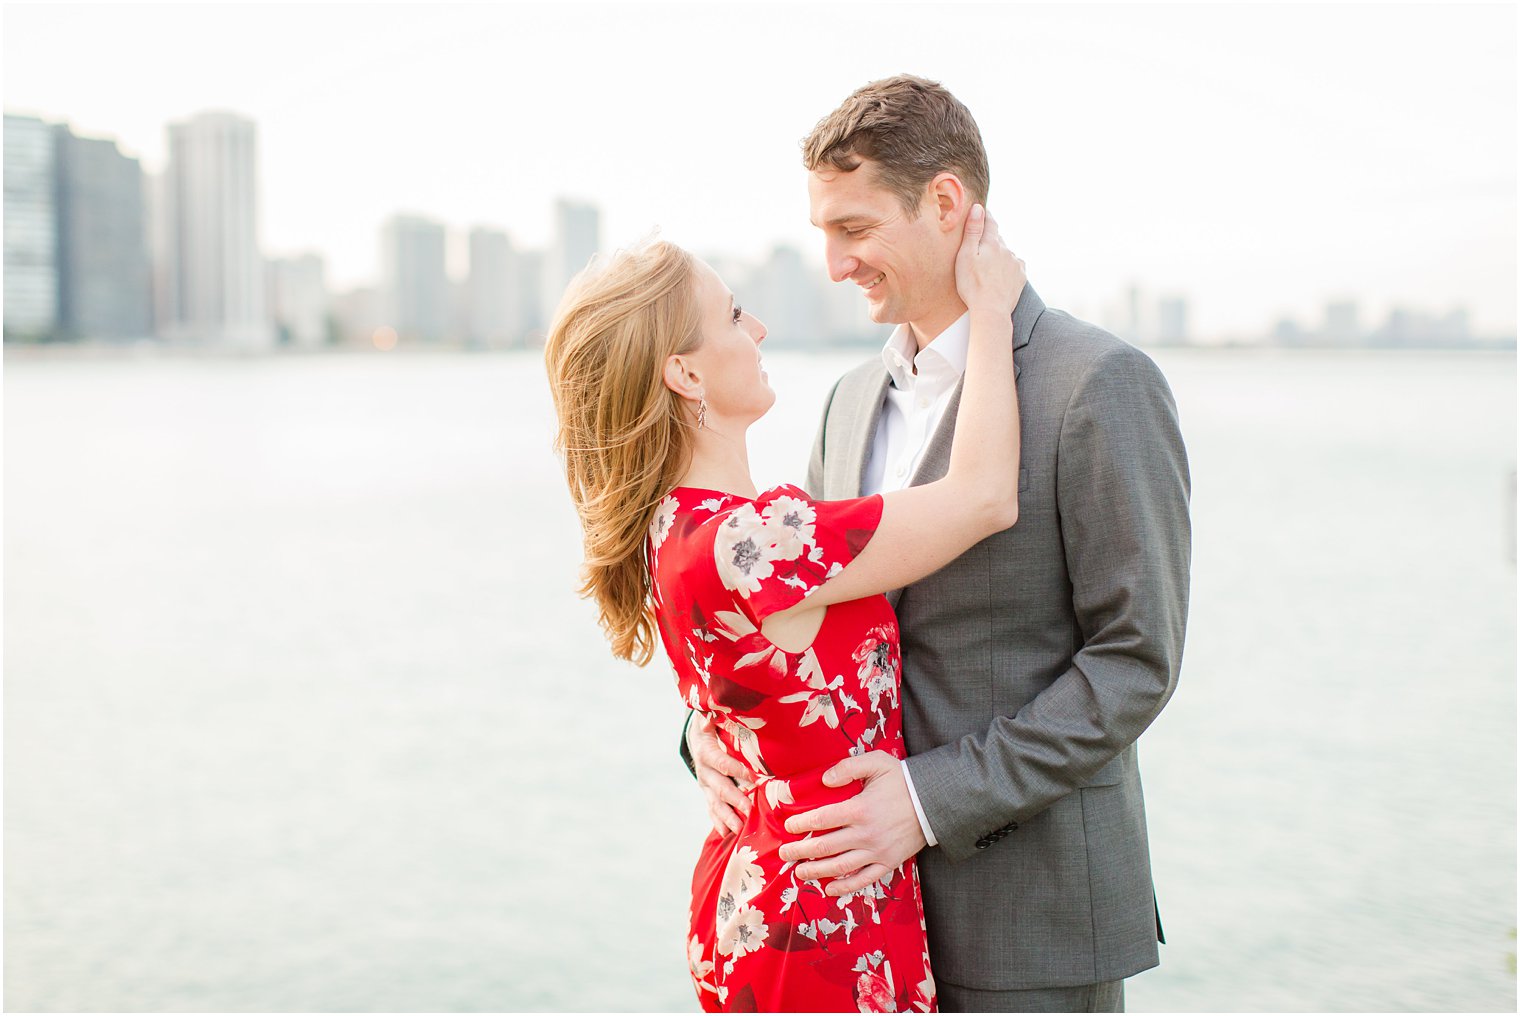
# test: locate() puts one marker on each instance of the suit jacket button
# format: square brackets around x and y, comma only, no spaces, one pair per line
[983,843]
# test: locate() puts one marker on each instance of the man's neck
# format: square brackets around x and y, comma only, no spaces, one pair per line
[930,326]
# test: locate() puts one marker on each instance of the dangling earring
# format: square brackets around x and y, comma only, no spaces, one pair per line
[701,412]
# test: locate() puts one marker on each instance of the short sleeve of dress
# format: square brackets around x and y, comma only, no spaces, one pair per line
[773,552]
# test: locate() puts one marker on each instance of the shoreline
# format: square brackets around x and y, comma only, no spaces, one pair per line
[153,350]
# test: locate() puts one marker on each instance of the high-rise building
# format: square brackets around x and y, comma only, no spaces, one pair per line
[786,295]
[298,301]
[493,297]
[414,280]
[356,316]
[577,238]
[1124,316]
[31,243]
[1454,327]
[104,278]
[1172,321]
[1343,325]
[847,315]
[212,283]
[529,274]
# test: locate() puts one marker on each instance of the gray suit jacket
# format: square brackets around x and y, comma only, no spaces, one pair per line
[1033,662]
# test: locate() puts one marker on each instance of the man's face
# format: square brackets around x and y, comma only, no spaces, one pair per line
[905,264]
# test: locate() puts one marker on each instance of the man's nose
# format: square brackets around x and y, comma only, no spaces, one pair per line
[841,265]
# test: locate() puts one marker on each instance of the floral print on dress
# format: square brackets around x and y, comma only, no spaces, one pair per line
[762,939]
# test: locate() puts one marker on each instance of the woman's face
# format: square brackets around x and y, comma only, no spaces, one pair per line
[727,362]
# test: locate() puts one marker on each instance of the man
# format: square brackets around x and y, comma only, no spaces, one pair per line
[1034,661]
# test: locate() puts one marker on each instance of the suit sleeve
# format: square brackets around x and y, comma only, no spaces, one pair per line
[1122,489]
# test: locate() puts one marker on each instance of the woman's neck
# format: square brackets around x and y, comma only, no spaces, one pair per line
[720,462]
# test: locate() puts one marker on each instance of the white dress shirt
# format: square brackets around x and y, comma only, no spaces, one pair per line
[920,388]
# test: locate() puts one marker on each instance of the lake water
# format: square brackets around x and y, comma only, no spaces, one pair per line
[302,714]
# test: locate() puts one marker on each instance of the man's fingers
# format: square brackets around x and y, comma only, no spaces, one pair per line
[818,846]
[830,816]
[834,867]
[856,881]
[859,767]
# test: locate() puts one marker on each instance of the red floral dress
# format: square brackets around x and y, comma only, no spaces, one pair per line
[761,938]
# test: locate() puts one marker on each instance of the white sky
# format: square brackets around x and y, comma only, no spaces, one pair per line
[1258,159]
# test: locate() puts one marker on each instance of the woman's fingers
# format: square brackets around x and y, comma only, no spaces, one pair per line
[724,821]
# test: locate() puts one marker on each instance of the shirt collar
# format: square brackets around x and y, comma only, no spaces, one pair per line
[949,346]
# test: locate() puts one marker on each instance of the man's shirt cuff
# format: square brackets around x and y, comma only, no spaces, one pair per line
[918,809]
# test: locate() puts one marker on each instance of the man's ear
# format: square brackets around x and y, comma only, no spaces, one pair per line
[952,203]
[680,378]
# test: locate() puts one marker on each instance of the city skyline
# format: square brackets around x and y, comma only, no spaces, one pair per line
[1173,150]
[80,232]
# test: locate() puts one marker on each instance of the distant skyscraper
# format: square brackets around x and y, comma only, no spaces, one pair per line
[1288,332]
[493,298]
[213,278]
[1172,321]
[356,313]
[1342,323]
[298,301]
[1124,316]
[104,278]
[1454,328]
[414,280]
[846,315]
[577,238]
[786,295]
[31,269]
[529,287]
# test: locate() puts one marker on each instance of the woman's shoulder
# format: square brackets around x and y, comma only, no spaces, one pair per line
[782,490]
[685,511]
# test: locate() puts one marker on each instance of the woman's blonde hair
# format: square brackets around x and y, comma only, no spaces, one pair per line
[626,438]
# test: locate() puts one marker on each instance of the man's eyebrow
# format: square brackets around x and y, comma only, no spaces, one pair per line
[840,220]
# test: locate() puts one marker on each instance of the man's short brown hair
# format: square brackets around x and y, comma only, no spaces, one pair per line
[912,128]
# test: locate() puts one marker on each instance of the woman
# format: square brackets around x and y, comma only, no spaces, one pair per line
[769,603]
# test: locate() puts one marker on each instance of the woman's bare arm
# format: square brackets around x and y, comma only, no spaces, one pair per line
[924,528]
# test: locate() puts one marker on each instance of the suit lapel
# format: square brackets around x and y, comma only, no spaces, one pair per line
[861,418]
[936,458]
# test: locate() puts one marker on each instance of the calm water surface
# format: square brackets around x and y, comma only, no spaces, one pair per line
[302,713]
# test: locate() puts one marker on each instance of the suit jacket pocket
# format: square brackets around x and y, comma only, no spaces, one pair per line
[1110,775]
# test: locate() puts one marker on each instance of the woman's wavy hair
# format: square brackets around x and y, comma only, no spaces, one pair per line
[625,437]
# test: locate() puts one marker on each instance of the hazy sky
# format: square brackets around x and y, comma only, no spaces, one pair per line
[1259,159]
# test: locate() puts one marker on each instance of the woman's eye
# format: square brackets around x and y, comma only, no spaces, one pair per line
[738,313]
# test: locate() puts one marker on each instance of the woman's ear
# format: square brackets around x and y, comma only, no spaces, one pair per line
[680,378]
